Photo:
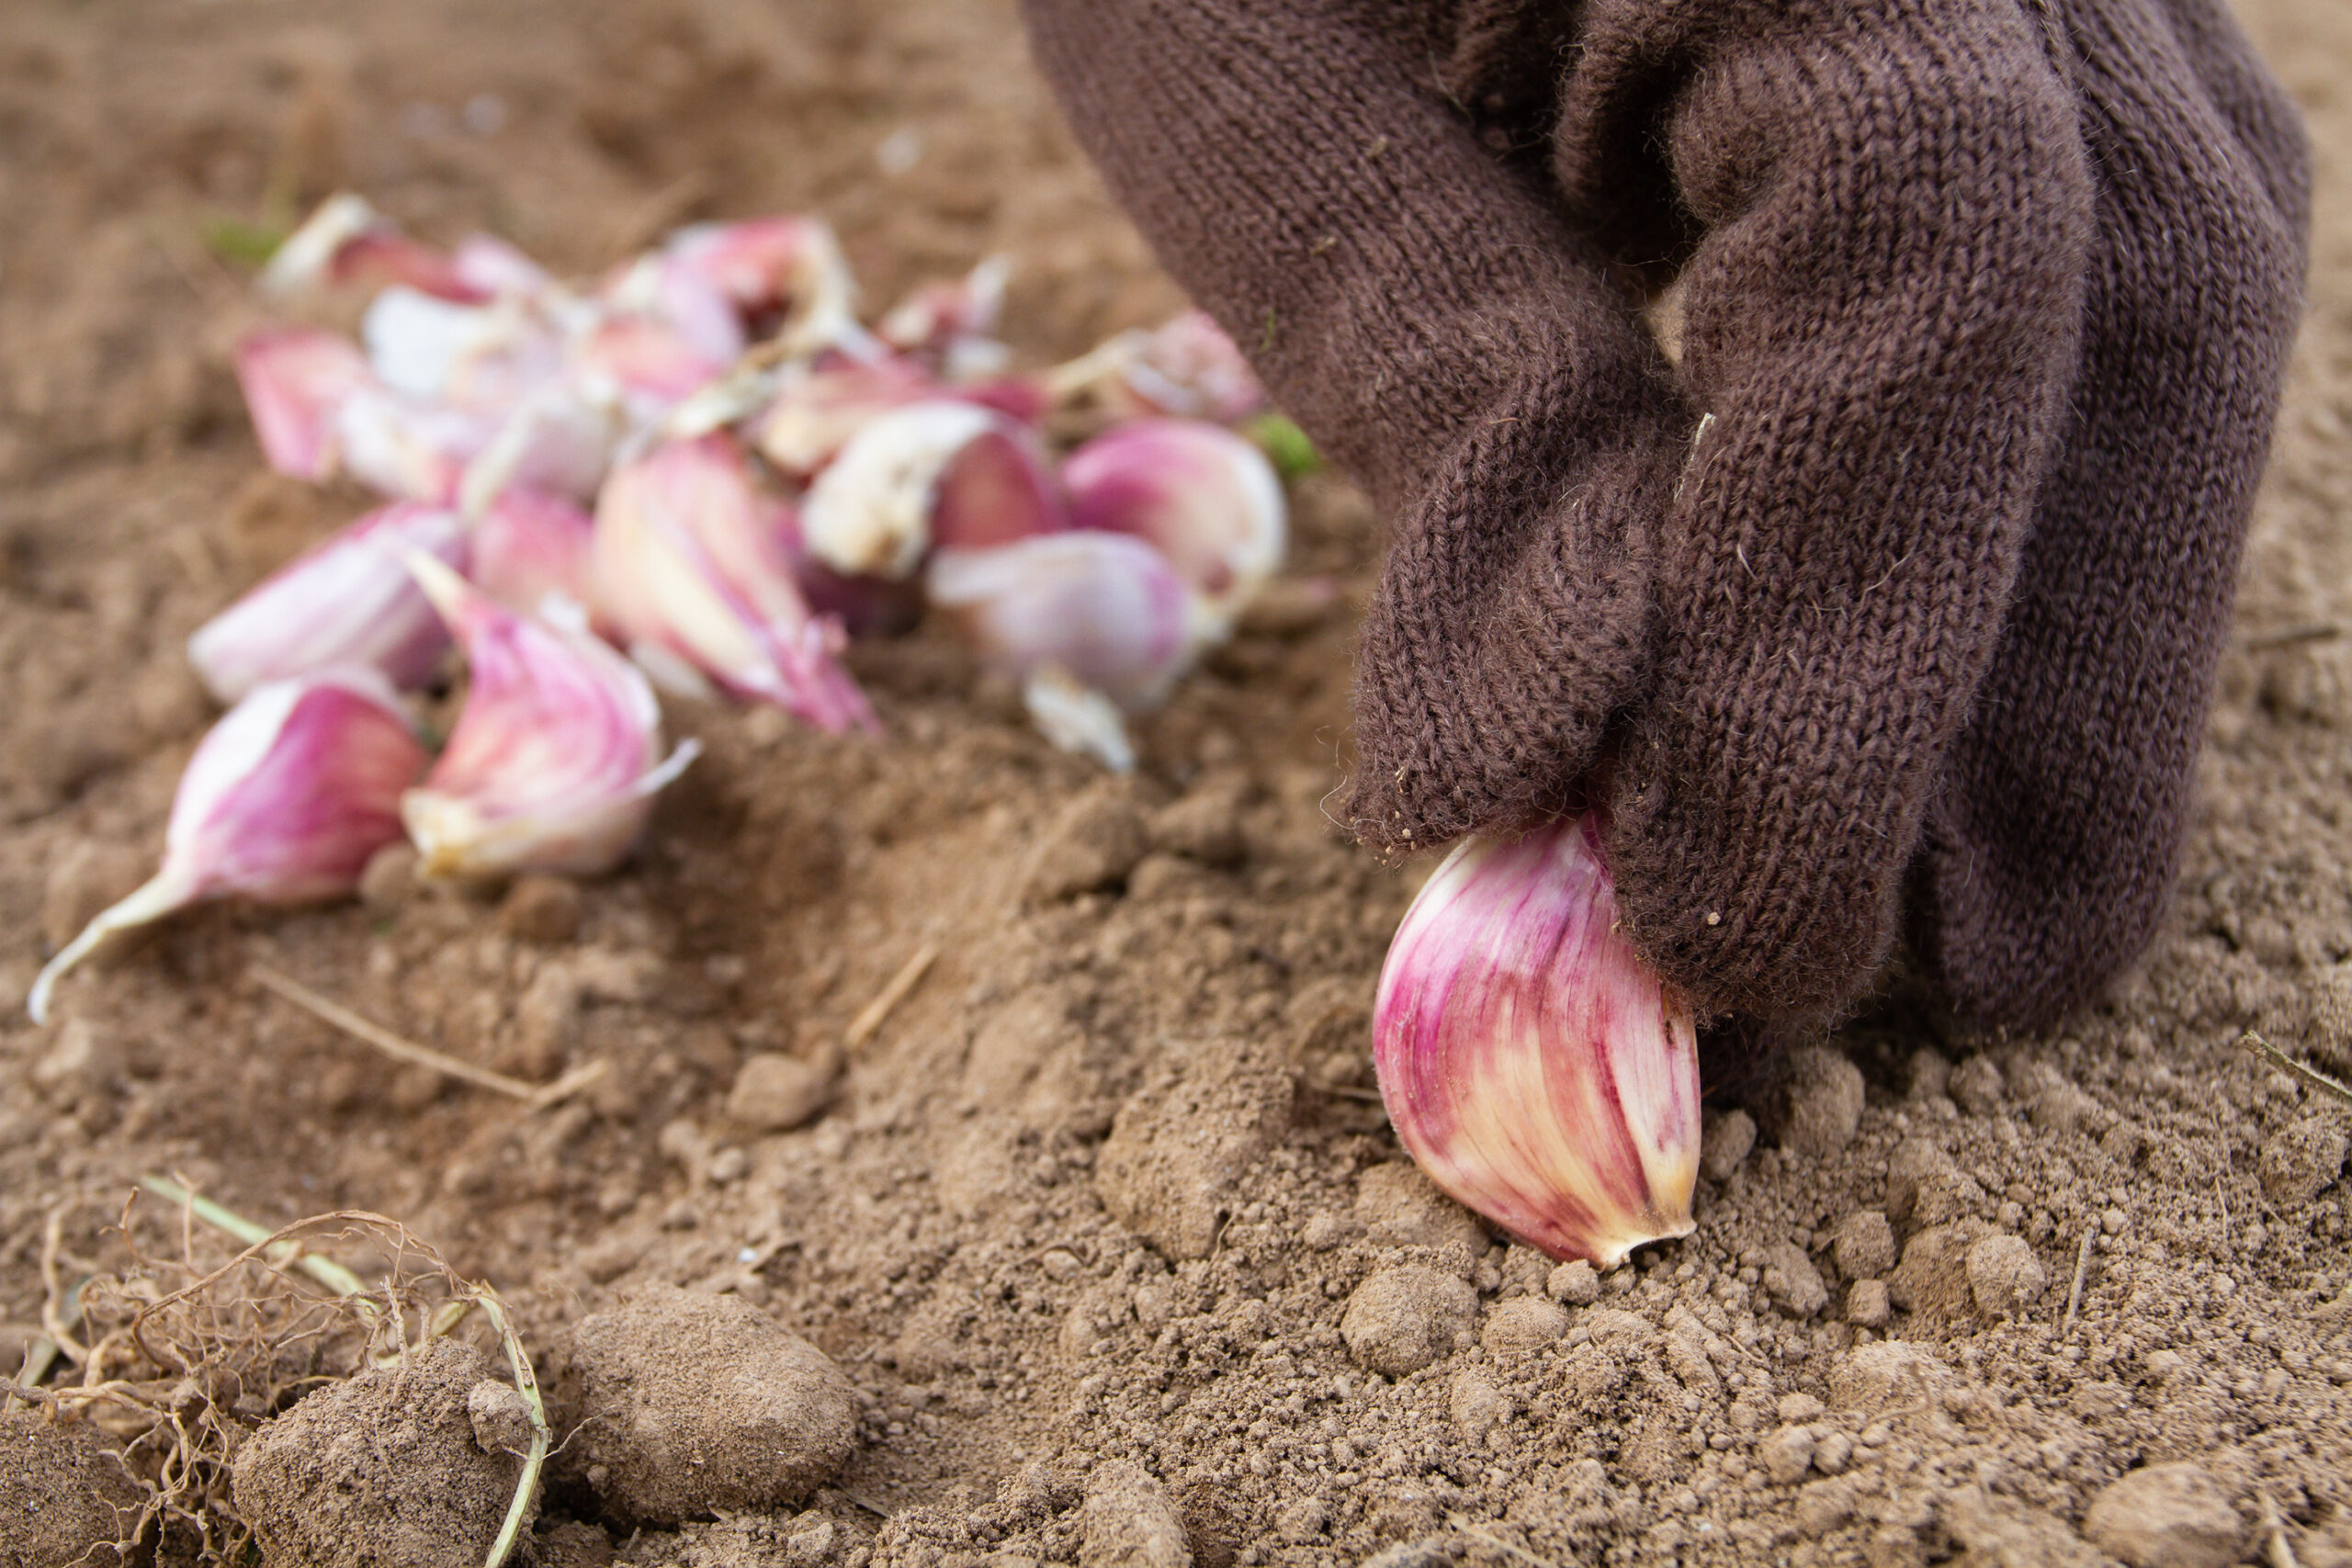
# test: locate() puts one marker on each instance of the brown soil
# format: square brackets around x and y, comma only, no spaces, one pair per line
[1100,1223]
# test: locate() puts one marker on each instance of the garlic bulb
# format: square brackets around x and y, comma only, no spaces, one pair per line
[284,801]
[556,757]
[348,601]
[1207,498]
[1530,1062]
[688,560]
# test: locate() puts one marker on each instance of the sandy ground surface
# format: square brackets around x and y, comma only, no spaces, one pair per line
[1111,1246]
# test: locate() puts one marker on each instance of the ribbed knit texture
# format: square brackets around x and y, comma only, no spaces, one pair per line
[1908,582]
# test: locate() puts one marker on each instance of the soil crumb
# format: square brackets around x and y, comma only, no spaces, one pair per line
[384,1468]
[64,1494]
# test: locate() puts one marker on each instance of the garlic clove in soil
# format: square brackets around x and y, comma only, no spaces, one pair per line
[688,558]
[944,473]
[1105,609]
[296,380]
[528,546]
[284,801]
[815,409]
[556,756]
[1186,368]
[409,446]
[1206,497]
[348,601]
[347,243]
[1531,1062]
[788,271]
[947,325]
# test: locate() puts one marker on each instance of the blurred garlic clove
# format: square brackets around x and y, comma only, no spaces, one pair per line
[687,556]
[684,301]
[815,409]
[528,545]
[284,802]
[946,473]
[495,269]
[556,756]
[554,441]
[1106,610]
[1531,1062]
[789,271]
[296,380]
[348,601]
[407,447]
[1187,369]
[865,607]
[348,243]
[478,356]
[947,325]
[1078,719]
[641,366]
[1206,497]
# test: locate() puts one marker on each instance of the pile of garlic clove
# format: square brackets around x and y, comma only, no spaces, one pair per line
[701,470]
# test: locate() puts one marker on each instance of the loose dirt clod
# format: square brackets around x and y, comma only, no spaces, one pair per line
[63,1495]
[383,1467]
[693,1405]
[2167,1516]
[1402,1319]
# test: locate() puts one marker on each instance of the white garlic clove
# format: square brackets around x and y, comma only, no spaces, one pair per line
[408,446]
[556,756]
[939,472]
[1531,1062]
[1105,609]
[284,801]
[296,380]
[687,556]
[348,601]
[1205,497]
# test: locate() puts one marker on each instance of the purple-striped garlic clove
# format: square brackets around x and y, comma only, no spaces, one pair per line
[283,802]
[296,381]
[348,601]
[1186,368]
[786,271]
[947,473]
[348,243]
[688,561]
[556,756]
[947,325]
[1531,1062]
[1205,497]
[529,544]
[1104,609]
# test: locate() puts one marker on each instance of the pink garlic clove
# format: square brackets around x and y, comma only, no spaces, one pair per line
[947,473]
[1206,497]
[529,544]
[1187,369]
[348,601]
[284,801]
[688,557]
[1531,1062]
[1106,610]
[787,272]
[296,380]
[556,757]
[348,243]
[947,325]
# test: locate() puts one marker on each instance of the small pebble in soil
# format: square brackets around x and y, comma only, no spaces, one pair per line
[1793,1281]
[1723,1143]
[1127,1521]
[1825,1094]
[774,1092]
[541,908]
[2166,1515]
[1864,1246]
[1866,1304]
[690,1404]
[1786,1453]
[382,1467]
[2004,1276]
[1977,1085]
[1400,1320]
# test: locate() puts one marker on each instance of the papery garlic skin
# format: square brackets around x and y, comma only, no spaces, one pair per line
[940,472]
[1205,497]
[348,601]
[284,801]
[1530,1062]
[1104,609]
[687,556]
[556,757]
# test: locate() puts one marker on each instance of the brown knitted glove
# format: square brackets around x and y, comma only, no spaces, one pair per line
[1910,577]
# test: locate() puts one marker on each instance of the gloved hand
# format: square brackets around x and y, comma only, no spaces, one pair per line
[1905,586]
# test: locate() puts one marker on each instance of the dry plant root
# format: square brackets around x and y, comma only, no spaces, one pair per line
[183,1363]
